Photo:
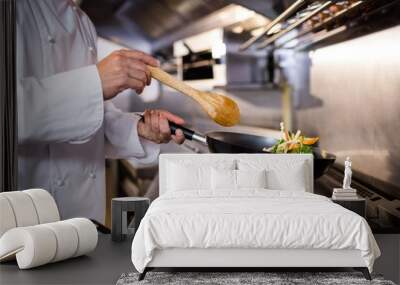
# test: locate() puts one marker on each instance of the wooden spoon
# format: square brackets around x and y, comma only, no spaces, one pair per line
[221,109]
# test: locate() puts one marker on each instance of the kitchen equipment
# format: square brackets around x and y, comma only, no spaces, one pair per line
[229,142]
[221,109]
[283,16]
[197,65]
[296,24]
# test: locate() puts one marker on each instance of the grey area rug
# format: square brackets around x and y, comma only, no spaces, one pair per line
[243,278]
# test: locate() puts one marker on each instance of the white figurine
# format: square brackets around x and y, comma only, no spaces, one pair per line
[347,174]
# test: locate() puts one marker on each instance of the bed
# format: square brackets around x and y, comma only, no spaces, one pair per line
[246,211]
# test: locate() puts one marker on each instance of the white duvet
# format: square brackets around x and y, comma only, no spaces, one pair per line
[250,219]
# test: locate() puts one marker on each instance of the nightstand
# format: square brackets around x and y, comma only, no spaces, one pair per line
[357,205]
[121,228]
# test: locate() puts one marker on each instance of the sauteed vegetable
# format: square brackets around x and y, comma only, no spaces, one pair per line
[292,143]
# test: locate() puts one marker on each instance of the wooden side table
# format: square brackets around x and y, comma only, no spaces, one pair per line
[120,208]
[357,205]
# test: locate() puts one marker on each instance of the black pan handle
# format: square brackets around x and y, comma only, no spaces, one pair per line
[188,133]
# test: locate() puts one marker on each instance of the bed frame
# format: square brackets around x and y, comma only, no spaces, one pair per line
[242,259]
[245,258]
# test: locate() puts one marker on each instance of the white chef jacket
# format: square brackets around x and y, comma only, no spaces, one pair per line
[65,129]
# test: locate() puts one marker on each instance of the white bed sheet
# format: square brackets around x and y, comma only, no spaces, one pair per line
[253,218]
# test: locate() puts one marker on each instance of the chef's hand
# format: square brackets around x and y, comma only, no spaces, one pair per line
[154,127]
[125,69]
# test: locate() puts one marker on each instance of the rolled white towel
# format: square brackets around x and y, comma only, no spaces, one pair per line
[67,240]
[40,244]
[46,207]
[33,246]
[26,208]
[87,235]
[7,218]
[23,208]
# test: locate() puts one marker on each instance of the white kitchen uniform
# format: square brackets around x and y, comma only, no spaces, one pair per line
[65,130]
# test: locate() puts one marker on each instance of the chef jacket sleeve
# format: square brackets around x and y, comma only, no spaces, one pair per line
[65,107]
[122,138]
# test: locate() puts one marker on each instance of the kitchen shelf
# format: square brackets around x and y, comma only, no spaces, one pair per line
[293,26]
[320,38]
[335,23]
[250,87]
[286,14]
[377,18]
[246,54]
[324,24]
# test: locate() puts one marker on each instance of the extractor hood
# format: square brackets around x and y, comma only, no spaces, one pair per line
[161,22]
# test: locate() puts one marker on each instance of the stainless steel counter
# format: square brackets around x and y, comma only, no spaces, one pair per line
[102,266]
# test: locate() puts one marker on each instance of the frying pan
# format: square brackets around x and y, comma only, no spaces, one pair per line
[229,142]
[225,142]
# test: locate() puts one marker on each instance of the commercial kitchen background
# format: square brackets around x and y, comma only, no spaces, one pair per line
[344,89]
[340,82]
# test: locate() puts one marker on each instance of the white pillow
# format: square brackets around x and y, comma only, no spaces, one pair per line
[223,179]
[292,179]
[251,178]
[288,174]
[184,175]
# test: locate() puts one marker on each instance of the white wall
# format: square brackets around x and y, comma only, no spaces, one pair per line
[357,84]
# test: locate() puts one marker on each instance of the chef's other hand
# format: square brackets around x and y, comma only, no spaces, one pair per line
[154,127]
[125,69]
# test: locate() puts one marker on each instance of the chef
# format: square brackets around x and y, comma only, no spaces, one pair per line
[66,124]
